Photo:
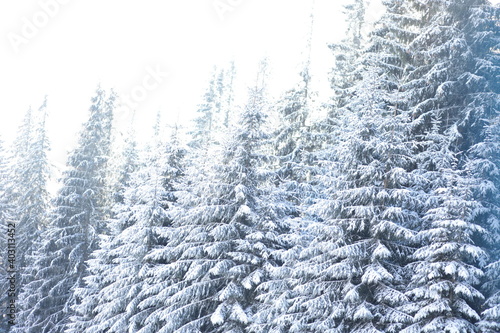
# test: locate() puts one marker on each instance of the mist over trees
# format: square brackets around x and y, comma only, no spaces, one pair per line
[380,215]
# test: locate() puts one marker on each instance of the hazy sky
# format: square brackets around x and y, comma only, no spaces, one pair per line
[157,53]
[64,48]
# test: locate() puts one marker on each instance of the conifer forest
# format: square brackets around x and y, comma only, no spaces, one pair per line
[378,211]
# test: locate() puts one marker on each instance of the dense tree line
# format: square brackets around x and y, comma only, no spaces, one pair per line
[381,216]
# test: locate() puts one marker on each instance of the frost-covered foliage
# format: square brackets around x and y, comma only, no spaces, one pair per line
[446,271]
[58,264]
[214,112]
[451,97]
[485,166]
[346,71]
[293,142]
[30,173]
[118,268]
[352,276]
[219,241]
[24,190]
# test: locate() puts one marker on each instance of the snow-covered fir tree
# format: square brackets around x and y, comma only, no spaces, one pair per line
[293,141]
[485,166]
[446,272]
[124,165]
[219,241]
[25,190]
[149,218]
[483,157]
[290,184]
[20,175]
[345,72]
[100,263]
[213,113]
[450,100]
[58,264]
[29,181]
[117,268]
[351,277]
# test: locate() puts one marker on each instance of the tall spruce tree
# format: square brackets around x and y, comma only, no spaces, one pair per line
[20,176]
[451,97]
[483,103]
[30,181]
[25,190]
[346,72]
[58,265]
[290,184]
[293,141]
[154,197]
[350,276]
[218,243]
[445,272]
[110,294]
[485,165]
[214,110]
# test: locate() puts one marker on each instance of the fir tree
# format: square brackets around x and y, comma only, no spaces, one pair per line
[25,188]
[110,294]
[293,142]
[20,184]
[153,198]
[351,277]
[126,164]
[448,82]
[345,72]
[446,271]
[290,188]
[484,166]
[58,265]
[30,181]
[214,110]
[218,243]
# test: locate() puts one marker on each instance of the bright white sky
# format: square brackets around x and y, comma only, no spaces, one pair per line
[77,44]
[116,43]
